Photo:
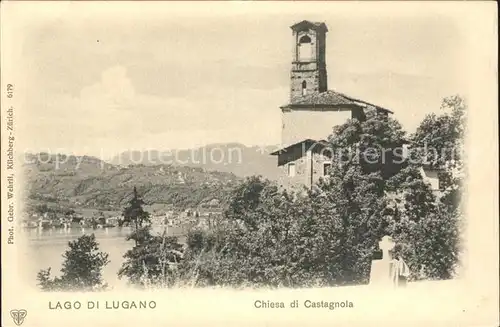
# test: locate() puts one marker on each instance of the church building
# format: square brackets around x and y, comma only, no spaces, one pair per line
[312,111]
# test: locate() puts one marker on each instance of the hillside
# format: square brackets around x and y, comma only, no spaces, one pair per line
[88,182]
[233,158]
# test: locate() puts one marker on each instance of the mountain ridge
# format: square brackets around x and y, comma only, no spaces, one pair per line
[87,182]
[235,158]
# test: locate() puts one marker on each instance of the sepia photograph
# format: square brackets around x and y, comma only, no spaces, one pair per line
[249,162]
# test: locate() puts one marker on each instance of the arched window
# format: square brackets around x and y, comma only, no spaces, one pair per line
[305,39]
[305,48]
[304,88]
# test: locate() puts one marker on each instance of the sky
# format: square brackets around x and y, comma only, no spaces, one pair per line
[97,80]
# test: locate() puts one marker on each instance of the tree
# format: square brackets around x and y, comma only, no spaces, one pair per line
[134,213]
[429,227]
[250,248]
[378,197]
[427,233]
[350,205]
[150,261]
[82,268]
[439,141]
[278,239]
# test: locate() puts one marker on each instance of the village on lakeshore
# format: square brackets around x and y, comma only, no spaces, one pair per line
[202,217]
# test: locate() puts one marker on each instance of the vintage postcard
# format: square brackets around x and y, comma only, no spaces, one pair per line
[240,163]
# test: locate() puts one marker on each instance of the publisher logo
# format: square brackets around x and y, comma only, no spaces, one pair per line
[18,316]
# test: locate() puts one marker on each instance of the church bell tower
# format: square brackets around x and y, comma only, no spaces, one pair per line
[308,73]
[312,112]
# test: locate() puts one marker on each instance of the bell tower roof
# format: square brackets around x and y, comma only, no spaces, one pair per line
[317,26]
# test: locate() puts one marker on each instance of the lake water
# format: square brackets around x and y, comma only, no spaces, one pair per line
[45,249]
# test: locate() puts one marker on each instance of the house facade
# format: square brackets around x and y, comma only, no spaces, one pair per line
[431,177]
[303,163]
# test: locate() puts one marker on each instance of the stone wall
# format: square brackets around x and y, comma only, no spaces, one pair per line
[308,168]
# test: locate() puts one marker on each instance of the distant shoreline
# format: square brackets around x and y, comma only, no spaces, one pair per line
[56,235]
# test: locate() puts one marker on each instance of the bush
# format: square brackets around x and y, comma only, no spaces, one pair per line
[152,261]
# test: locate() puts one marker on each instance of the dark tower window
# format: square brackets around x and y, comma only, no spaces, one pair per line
[304,88]
[326,168]
[305,48]
[305,39]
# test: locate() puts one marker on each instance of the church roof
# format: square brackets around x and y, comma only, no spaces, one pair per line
[306,142]
[329,98]
[309,24]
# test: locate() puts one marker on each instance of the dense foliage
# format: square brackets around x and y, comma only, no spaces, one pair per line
[152,261]
[440,140]
[82,268]
[426,230]
[329,235]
